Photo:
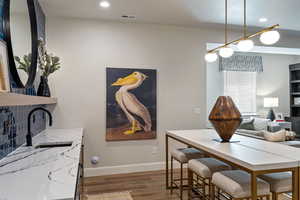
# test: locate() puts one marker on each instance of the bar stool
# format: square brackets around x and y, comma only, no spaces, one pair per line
[204,169]
[279,182]
[182,155]
[236,184]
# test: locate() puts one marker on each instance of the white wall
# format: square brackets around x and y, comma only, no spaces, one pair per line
[274,81]
[87,47]
[215,86]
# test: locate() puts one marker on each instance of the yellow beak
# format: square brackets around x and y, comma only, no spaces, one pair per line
[128,80]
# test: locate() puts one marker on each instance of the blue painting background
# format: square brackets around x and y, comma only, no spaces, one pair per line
[1,19]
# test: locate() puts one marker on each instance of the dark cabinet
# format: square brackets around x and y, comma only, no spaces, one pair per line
[80,175]
[295,97]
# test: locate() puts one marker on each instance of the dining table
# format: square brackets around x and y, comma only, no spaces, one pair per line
[255,156]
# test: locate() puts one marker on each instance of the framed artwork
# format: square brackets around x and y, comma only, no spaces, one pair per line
[130,104]
[4,73]
[279,116]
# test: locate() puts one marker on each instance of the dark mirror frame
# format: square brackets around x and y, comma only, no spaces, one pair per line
[34,44]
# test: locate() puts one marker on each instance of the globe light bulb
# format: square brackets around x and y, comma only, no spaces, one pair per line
[211,57]
[270,37]
[245,45]
[226,52]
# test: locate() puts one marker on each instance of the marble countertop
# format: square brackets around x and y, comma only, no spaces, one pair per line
[42,174]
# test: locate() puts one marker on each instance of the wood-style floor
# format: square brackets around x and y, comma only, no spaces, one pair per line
[143,185]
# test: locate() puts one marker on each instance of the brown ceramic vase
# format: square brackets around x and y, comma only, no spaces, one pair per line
[225,117]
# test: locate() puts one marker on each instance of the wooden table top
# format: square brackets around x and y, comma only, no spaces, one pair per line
[253,154]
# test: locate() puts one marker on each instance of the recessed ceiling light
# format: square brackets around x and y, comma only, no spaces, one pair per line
[263,19]
[104,4]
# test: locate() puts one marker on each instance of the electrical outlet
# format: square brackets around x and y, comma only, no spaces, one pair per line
[154,150]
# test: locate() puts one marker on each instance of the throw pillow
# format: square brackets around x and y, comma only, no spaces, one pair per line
[247,124]
[290,135]
[260,124]
[278,136]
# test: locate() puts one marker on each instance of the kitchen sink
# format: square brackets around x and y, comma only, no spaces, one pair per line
[53,144]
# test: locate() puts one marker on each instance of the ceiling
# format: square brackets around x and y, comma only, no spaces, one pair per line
[180,12]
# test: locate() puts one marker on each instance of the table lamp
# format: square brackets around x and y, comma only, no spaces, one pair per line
[271,102]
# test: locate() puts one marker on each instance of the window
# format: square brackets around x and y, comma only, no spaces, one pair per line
[241,86]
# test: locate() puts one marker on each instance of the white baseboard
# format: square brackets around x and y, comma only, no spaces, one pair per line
[124,169]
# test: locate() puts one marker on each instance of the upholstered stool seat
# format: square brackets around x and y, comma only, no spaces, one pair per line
[237,184]
[183,155]
[279,182]
[205,167]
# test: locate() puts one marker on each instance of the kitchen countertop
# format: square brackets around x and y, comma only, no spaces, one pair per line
[42,174]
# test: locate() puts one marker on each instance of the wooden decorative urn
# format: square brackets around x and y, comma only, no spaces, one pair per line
[225,117]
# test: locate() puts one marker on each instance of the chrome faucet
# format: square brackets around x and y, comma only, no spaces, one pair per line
[29,136]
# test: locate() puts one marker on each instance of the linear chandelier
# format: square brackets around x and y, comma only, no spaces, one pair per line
[268,36]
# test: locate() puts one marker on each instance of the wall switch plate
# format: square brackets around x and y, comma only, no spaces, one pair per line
[197,110]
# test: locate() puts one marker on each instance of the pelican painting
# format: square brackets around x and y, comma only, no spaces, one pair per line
[131,104]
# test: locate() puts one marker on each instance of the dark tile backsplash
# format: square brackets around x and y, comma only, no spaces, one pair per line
[13,123]
[13,127]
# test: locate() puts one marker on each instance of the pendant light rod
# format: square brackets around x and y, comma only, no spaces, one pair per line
[247,37]
[226,25]
[245,19]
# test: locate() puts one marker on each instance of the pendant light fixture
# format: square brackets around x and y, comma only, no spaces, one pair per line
[267,35]
[226,51]
[245,44]
[270,37]
[211,57]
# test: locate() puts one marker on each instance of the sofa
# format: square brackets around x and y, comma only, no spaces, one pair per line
[264,129]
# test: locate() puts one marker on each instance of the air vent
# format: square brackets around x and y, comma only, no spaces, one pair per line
[128,17]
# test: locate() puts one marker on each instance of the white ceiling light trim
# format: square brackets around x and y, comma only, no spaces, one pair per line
[104,4]
[263,19]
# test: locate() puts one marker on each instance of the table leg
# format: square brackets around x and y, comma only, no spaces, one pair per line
[253,186]
[295,184]
[167,162]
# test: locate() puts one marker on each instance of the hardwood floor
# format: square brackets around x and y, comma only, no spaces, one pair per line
[143,185]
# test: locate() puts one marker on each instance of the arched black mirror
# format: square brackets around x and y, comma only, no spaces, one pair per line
[20,29]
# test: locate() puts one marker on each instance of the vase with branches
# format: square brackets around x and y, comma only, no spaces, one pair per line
[48,64]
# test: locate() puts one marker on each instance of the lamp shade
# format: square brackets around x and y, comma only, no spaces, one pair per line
[226,52]
[270,37]
[211,57]
[245,45]
[271,102]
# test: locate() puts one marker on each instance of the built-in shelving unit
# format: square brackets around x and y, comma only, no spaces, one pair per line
[295,93]
[13,99]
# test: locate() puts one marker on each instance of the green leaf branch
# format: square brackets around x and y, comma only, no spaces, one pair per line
[48,63]
[24,63]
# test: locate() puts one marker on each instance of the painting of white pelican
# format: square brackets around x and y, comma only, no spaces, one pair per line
[131,104]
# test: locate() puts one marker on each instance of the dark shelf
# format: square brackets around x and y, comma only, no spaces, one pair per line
[296,69]
[295,106]
[295,93]
[295,81]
